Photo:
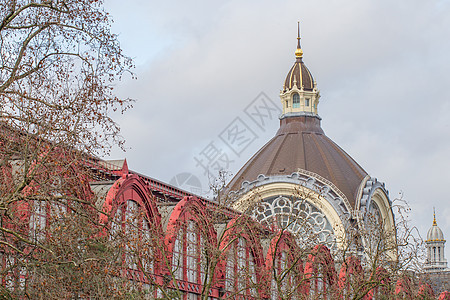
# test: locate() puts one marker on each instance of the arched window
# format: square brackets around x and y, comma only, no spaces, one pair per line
[243,259]
[130,228]
[285,266]
[134,224]
[285,277]
[351,278]
[320,273]
[240,269]
[296,101]
[190,239]
[188,254]
[290,214]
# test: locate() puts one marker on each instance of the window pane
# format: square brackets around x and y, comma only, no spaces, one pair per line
[147,256]
[132,233]
[296,101]
[229,283]
[177,258]
[192,252]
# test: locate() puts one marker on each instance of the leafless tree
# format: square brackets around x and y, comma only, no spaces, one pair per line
[59,62]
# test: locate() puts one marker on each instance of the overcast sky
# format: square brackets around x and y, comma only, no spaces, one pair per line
[383,69]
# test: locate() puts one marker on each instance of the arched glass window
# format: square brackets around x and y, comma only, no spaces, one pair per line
[240,270]
[147,246]
[290,214]
[188,257]
[320,284]
[320,273]
[295,101]
[131,229]
[351,277]
[284,277]
[285,267]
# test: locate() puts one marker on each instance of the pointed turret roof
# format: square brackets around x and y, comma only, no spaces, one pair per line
[299,74]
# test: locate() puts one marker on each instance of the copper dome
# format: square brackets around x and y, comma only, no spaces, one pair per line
[435,233]
[300,143]
[299,75]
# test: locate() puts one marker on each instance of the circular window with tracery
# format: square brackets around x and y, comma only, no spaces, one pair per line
[308,224]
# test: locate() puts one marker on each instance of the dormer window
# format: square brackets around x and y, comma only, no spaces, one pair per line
[296,101]
[307,102]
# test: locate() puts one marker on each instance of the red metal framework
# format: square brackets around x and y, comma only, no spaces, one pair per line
[129,211]
[130,187]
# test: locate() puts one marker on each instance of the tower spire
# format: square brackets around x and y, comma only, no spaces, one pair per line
[298,51]
[434,217]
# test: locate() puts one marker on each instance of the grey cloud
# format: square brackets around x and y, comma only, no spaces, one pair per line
[382,68]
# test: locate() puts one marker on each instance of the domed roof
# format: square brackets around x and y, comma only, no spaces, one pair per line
[300,143]
[299,75]
[435,233]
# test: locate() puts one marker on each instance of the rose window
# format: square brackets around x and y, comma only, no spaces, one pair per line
[300,217]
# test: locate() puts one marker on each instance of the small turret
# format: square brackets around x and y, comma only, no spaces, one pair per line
[299,95]
[435,249]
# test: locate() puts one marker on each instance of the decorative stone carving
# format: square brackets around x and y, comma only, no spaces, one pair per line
[307,179]
[365,206]
[304,220]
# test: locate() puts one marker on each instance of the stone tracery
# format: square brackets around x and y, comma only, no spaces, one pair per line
[298,216]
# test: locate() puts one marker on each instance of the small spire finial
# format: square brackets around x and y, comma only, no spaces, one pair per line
[434,217]
[298,51]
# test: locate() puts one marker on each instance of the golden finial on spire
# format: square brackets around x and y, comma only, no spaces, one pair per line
[298,51]
[434,217]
